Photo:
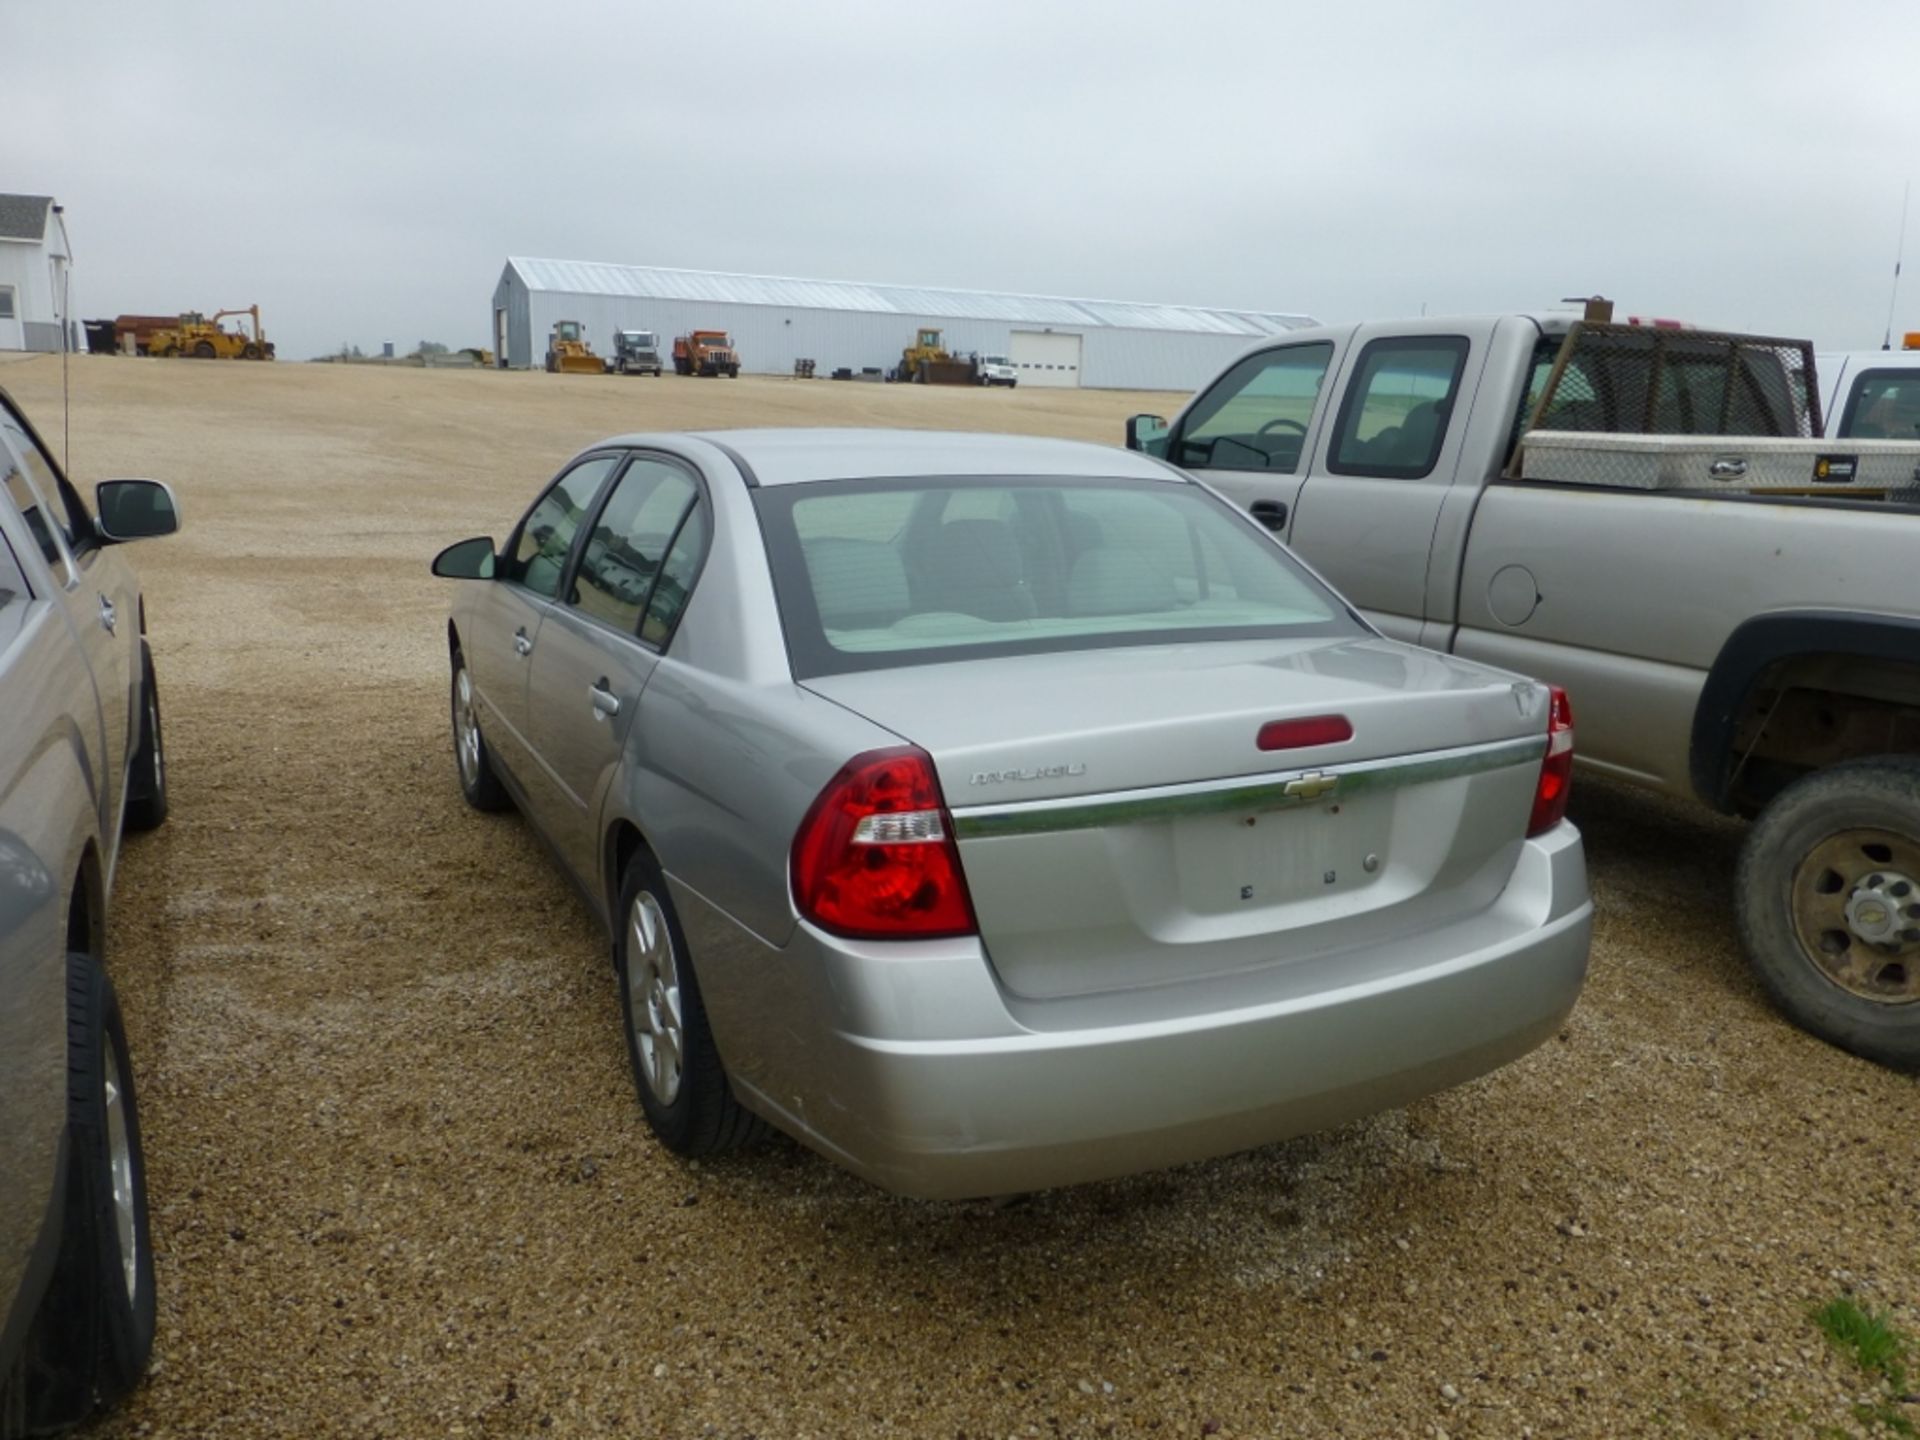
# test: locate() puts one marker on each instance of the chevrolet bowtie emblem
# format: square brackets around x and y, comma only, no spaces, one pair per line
[1311,786]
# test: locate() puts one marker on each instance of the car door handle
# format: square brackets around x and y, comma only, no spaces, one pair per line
[522,643]
[108,616]
[1270,513]
[605,702]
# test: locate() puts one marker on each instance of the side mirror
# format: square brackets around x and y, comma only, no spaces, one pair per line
[466,560]
[134,510]
[1147,434]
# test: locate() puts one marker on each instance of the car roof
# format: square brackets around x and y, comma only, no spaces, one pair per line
[797,456]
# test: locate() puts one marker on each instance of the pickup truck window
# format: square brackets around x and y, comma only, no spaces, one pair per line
[1393,418]
[13,584]
[27,502]
[1256,415]
[1883,405]
[545,537]
[76,527]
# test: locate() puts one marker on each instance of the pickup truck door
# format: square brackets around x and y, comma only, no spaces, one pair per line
[1382,467]
[1248,433]
[598,649]
[101,611]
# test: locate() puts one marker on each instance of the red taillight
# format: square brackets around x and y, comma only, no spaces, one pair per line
[1297,734]
[1556,771]
[875,857]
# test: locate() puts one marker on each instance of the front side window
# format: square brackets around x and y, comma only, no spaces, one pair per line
[1884,405]
[1256,415]
[545,537]
[26,500]
[872,574]
[629,537]
[76,528]
[13,584]
[1393,419]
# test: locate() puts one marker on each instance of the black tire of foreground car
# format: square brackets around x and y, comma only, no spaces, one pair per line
[1828,900]
[472,760]
[147,777]
[95,1329]
[676,1066]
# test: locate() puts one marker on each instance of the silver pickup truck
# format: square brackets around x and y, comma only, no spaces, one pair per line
[81,760]
[1756,651]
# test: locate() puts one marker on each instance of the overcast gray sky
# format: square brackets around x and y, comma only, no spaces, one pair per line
[362,170]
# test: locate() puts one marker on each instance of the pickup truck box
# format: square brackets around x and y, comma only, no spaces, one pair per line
[81,761]
[1757,653]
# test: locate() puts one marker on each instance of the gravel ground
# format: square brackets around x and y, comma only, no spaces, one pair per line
[401,1186]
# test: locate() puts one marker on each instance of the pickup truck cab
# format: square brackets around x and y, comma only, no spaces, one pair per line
[81,761]
[1872,394]
[1758,653]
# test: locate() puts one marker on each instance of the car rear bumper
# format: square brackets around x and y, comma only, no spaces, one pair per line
[918,1073]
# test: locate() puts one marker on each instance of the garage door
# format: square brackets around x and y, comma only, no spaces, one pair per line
[1045,359]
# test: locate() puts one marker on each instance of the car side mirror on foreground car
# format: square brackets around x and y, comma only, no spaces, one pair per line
[1147,434]
[466,560]
[134,510]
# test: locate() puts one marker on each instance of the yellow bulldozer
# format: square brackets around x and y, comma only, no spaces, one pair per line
[568,352]
[926,362]
[203,338]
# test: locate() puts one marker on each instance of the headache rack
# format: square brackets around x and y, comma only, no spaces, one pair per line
[1634,407]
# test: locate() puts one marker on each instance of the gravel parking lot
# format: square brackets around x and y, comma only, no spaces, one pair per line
[401,1185]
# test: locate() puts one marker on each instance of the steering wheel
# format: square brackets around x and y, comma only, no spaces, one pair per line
[1281,421]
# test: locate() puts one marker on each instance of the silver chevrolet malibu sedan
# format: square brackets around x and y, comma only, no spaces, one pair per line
[994,813]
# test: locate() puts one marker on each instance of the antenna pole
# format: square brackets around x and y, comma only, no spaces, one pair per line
[66,343]
[1906,193]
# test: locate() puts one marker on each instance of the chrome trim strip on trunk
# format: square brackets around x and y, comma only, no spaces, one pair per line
[1239,794]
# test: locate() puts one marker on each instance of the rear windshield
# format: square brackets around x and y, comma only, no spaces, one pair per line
[878,573]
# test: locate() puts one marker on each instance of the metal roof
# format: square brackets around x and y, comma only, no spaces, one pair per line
[24,217]
[585,277]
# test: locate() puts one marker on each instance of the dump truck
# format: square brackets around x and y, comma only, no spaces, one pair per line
[568,352]
[635,352]
[203,338]
[706,352]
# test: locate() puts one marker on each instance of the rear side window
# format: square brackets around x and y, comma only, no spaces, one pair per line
[545,537]
[1393,419]
[1256,415]
[677,574]
[872,574]
[1883,405]
[629,538]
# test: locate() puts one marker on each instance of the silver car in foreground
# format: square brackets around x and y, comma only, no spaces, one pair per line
[994,814]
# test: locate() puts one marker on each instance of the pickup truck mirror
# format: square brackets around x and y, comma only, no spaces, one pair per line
[134,510]
[1147,434]
[466,560]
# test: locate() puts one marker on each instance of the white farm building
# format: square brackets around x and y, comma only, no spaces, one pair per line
[1113,344]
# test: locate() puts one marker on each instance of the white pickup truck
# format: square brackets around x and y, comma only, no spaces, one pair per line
[1756,650]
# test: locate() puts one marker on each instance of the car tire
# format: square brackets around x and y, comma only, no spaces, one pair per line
[676,1066]
[94,1332]
[147,775]
[1828,902]
[472,761]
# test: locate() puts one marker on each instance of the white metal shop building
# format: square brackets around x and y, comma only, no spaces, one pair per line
[1106,344]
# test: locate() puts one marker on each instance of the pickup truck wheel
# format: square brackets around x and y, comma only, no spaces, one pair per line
[147,776]
[473,762]
[95,1327]
[676,1066]
[1828,899]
